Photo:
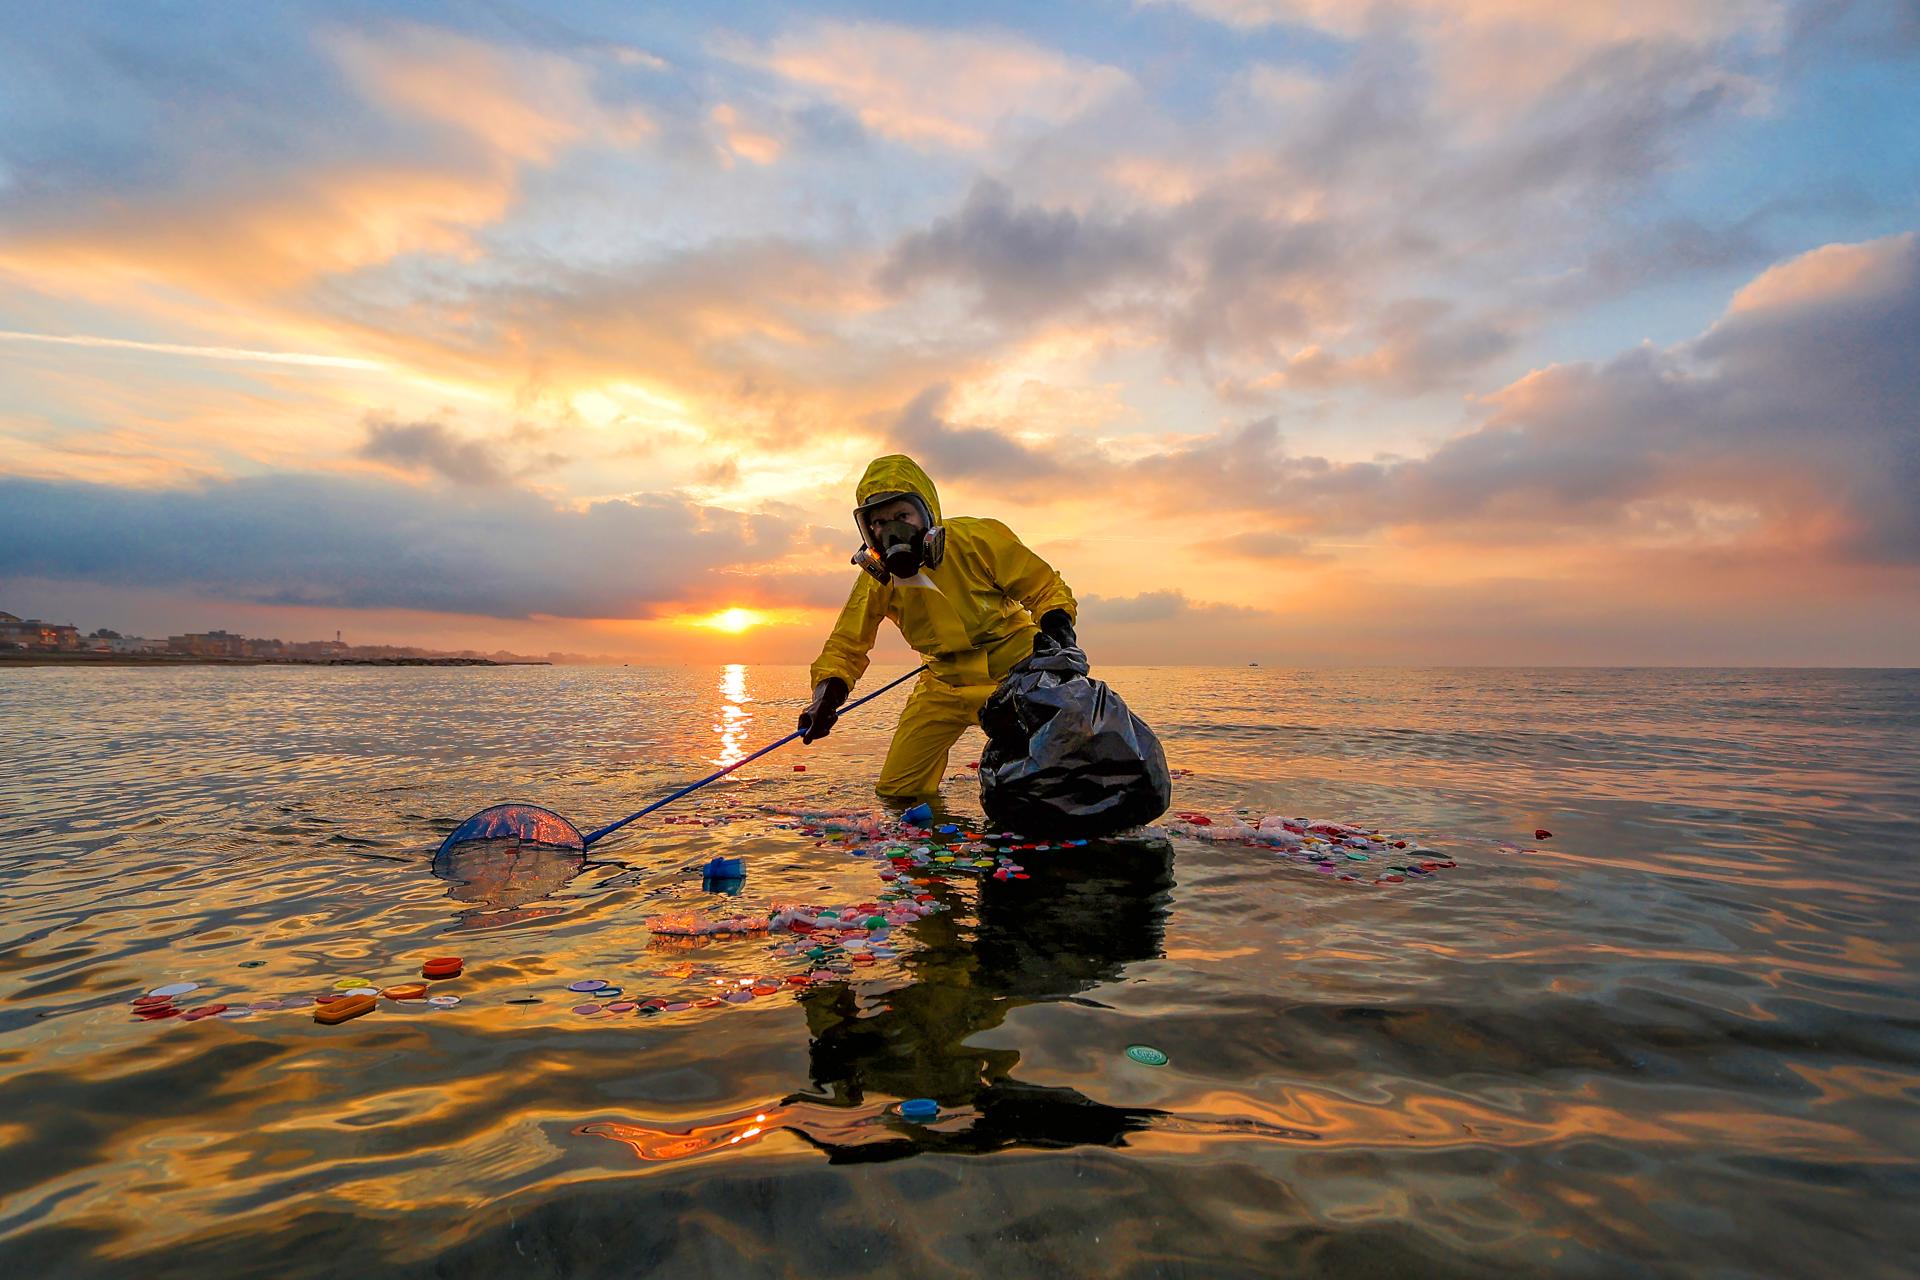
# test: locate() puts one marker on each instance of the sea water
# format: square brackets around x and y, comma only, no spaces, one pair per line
[1678,1036]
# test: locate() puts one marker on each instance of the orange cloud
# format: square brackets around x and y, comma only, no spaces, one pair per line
[940,89]
[748,144]
[1831,272]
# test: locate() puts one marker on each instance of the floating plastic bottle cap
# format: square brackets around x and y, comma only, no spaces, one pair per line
[175,989]
[919,1109]
[607,993]
[362,991]
[622,1006]
[348,984]
[1543,834]
[920,815]
[441,967]
[444,1002]
[587,984]
[586,1008]
[337,1011]
[1146,1055]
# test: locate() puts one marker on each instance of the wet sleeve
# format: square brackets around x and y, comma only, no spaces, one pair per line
[846,651]
[1024,576]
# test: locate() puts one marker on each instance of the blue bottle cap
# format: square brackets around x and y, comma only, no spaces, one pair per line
[1146,1055]
[727,869]
[920,815]
[919,1109]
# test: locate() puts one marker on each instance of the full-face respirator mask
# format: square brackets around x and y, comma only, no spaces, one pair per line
[898,548]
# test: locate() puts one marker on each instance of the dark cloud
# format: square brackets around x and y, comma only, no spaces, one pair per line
[1027,261]
[1259,544]
[963,452]
[1148,606]
[431,447]
[1286,266]
[1249,468]
[1794,421]
[360,544]
[1156,606]
[1661,251]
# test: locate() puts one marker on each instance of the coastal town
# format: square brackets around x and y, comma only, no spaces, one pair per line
[36,641]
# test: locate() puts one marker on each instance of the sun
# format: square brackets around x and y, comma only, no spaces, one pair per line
[733,621]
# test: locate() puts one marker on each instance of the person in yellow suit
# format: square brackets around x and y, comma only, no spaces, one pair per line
[965,592]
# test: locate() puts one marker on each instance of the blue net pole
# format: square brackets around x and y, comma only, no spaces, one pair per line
[592,836]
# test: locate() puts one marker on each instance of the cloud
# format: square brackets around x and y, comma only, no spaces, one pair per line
[1148,606]
[1025,262]
[747,143]
[430,446]
[939,88]
[1489,52]
[312,540]
[1362,225]
[1789,427]
[258,176]
[1417,345]
[519,103]
[1259,544]
[964,452]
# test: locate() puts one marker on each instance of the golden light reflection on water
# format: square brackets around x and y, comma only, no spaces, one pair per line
[733,717]
[1547,1045]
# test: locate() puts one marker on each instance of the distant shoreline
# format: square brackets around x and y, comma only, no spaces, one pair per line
[41,658]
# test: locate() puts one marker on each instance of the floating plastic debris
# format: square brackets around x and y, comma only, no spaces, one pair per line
[337,1011]
[1321,844]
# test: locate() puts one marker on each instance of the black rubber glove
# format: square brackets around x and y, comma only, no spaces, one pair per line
[1057,625]
[817,720]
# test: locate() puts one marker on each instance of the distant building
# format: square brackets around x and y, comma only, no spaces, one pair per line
[135,644]
[31,633]
[209,644]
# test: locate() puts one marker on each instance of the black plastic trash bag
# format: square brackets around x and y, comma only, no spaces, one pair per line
[1064,756]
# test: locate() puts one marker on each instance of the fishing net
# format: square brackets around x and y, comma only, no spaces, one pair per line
[526,823]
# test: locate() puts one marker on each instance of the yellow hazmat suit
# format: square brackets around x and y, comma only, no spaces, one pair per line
[972,616]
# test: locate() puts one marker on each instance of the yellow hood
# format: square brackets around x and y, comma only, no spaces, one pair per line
[897,473]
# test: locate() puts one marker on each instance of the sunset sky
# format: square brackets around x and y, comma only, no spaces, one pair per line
[1298,331]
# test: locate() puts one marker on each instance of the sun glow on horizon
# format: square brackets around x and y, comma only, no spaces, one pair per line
[732,621]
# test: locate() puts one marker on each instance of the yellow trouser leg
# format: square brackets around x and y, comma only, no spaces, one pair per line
[933,720]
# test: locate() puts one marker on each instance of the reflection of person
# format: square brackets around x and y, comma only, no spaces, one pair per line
[1085,914]
[965,592]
